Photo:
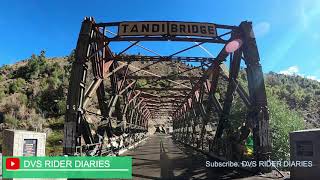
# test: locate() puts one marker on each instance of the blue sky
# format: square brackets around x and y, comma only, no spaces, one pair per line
[287,31]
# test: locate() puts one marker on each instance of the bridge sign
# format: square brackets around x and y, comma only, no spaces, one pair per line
[157,28]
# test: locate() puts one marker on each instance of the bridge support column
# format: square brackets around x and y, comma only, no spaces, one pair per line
[258,115]
[76,90]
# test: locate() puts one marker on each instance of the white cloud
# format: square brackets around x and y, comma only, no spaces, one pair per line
[261,29]
[312,77]
[293,70]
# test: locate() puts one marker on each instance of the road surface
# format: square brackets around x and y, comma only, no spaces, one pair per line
[160,158]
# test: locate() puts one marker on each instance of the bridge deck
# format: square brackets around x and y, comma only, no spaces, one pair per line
[160,158]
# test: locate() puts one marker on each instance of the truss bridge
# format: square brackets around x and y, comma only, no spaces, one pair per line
[178,111]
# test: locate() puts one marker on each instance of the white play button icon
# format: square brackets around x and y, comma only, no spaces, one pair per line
[13,163]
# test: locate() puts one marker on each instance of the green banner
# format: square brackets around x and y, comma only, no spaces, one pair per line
[67,167]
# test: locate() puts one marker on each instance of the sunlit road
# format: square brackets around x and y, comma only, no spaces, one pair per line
[160,158]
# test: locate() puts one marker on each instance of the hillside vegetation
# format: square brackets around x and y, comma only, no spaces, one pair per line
[300,94]
[33,96]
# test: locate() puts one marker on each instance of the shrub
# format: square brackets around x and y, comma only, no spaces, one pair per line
[10,76]
[57,124]
[23,99]
[54,150]
[10,104]
[36,65]
[37,123]
[61,105]
[5,68]
[2,94]
[16,86]
[163,83]
[22,113]
[141,83]
[51,101]
[282,122]
[54,144]
[53,81]
[237,113]
[55,138]
[13,88]
[11,121]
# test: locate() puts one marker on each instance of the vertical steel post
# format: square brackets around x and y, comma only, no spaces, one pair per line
[259,115]
[76,90]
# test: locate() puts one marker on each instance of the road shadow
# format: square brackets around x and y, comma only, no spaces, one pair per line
[165,164]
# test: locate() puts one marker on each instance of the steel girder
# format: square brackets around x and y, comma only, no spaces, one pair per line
[256,102]
[120,112]
[126,108]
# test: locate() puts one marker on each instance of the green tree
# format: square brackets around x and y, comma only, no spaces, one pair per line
[51,101]
[36,65]
[283,120]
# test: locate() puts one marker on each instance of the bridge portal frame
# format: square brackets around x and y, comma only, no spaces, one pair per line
[93,49]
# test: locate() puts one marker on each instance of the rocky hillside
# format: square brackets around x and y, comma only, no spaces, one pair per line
[300,94]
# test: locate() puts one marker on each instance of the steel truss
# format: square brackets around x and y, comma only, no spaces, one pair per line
[125,110]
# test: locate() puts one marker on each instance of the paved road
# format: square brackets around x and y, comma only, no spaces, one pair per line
[160,158]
